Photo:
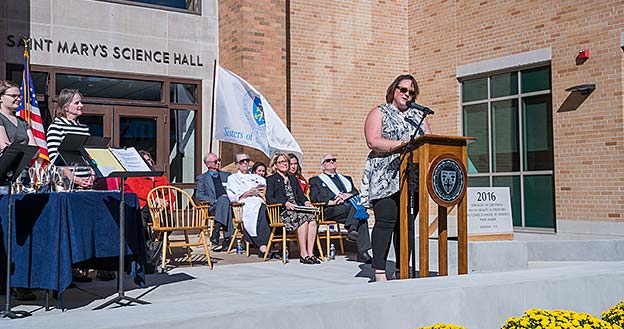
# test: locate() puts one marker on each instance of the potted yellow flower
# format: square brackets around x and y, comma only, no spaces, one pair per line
[615,315]
[546,319]
[443,326]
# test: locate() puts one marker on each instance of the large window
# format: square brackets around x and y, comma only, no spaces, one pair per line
[511,115]
[188,6]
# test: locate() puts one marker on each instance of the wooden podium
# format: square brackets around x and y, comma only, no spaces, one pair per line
[439,163]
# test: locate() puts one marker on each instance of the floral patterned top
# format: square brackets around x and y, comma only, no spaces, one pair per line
[380,177]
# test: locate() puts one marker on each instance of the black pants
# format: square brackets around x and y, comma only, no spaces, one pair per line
[387,213]
[344,214]
[263,230]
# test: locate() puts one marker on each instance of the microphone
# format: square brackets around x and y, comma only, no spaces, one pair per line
[425,110]
[411,121]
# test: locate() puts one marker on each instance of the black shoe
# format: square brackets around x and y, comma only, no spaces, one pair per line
[23,294]
[214,241]
[364,257]
[218,247]
[314,259]
[352,236]
[226,244]
[306,260]
[105,275]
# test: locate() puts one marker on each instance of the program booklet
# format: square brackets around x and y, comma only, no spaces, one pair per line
[306,209]
[109,160]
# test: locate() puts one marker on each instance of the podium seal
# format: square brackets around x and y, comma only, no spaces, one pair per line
[446,180]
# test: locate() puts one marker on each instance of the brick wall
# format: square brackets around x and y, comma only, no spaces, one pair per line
[344,56]
[345,53]
[252,44]
[588,142]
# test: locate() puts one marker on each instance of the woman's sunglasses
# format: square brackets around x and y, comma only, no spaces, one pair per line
[404,90]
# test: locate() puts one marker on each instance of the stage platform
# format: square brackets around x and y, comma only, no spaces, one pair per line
[339,294]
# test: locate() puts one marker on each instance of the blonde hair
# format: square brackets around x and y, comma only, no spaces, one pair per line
[65,97]
[277,158]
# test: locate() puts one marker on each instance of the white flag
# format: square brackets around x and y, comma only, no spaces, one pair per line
[244,117]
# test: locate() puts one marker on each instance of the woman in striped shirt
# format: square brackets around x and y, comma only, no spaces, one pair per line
[66,122]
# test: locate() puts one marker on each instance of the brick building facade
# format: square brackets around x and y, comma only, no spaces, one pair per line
[334,59]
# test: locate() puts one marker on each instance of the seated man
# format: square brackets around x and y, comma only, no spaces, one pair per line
[334,190]
[248,188]
[211,187]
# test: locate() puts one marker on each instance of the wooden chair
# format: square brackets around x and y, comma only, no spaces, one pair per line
[279,233]
[329,234]
[237,220]
[181,214]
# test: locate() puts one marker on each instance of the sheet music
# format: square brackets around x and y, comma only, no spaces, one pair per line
[131,159]
[105,161]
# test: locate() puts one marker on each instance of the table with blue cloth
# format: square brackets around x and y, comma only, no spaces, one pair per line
[54,231]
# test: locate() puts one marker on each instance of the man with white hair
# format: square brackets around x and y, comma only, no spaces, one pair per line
[248,188]
[339,194]
[211,187]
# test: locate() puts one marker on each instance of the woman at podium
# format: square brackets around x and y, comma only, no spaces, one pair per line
[12,128]
[386,130]
[66,122]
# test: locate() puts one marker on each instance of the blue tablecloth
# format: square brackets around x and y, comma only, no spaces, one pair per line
[53,231]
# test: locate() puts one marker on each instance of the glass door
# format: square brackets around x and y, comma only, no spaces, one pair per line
[143,128]
[99,118]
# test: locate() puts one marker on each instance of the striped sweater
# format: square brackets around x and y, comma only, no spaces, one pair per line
[56,133]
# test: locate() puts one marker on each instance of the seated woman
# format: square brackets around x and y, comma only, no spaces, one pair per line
[295,170]
[141,186]
[259,169]
[284,189]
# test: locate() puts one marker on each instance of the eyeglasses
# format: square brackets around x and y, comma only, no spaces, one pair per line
[282,161]
[244,161]
[330,160]
[404,90]
[15,96]
[214,161]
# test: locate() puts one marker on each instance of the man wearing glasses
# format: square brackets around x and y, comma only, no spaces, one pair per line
[336,190]
[211,187]
[248,189]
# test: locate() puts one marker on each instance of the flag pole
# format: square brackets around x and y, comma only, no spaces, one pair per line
[212,111]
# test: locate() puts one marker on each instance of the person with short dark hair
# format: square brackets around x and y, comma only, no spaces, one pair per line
[385,130]
[259,168]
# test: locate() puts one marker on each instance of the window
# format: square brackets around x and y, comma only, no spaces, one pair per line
[114,88]
[511,115]
[188,6]
[182,148]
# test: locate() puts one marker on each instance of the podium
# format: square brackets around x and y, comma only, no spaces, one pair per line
[438,164]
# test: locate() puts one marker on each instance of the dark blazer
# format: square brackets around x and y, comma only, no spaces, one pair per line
[319,192]
[276,192]
[205,190]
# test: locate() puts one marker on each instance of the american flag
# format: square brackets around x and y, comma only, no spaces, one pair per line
[29,110]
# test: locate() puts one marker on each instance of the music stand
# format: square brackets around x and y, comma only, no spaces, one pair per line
[14,159]
[69,150]
[95,163]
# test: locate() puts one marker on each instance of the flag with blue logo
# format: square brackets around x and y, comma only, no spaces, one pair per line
[29,109]
[243,116]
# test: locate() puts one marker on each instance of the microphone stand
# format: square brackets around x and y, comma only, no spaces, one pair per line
[410,192]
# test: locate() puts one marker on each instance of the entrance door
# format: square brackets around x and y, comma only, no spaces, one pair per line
[99,118]
[144,129]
